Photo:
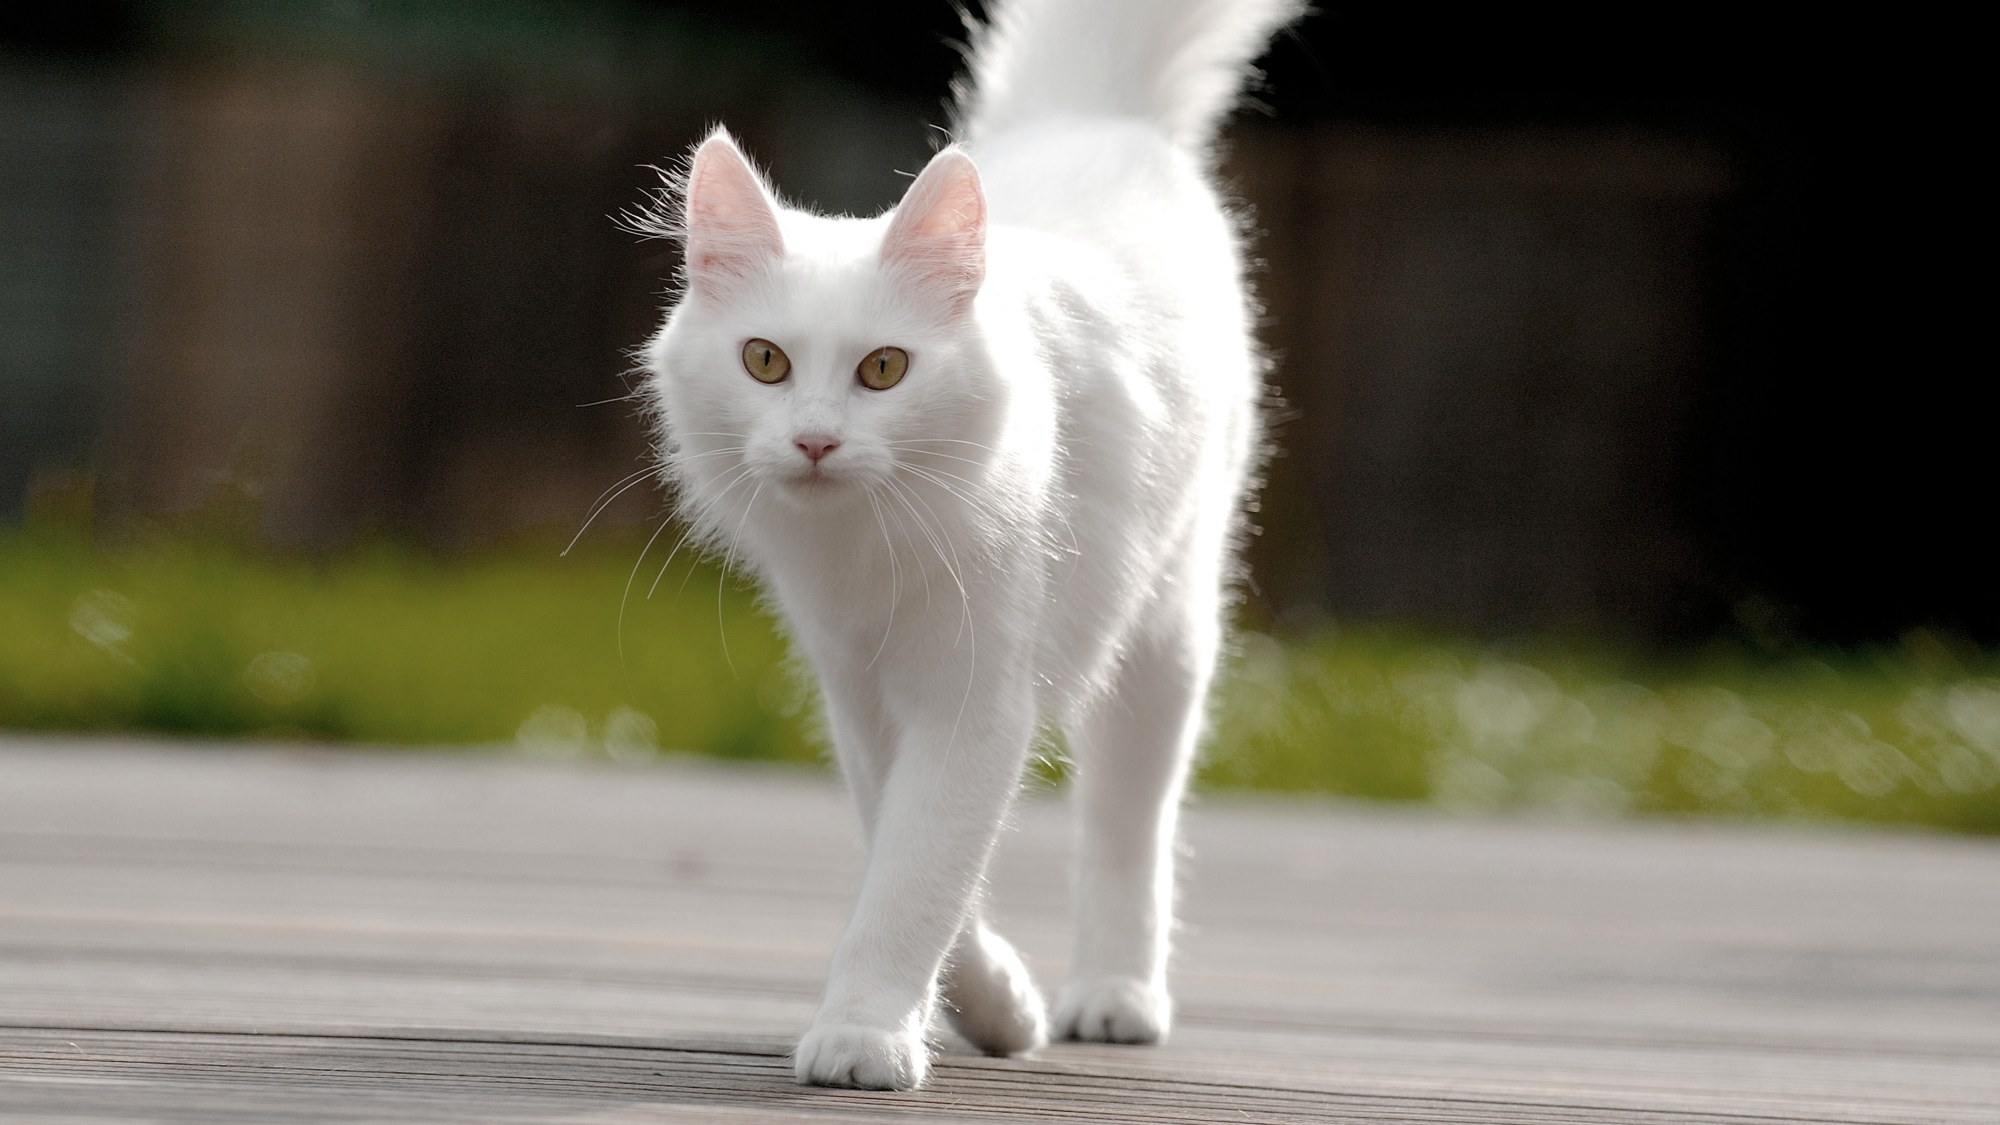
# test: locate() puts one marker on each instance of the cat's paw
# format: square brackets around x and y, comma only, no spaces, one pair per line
[864,1057]
[1113,1009]
[990,998]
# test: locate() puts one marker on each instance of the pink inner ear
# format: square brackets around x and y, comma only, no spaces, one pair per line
[732,224]
[957,207]
[939,232]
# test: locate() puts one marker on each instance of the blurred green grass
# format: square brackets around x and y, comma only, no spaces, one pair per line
[391,644]
[514,644]
[1902,734]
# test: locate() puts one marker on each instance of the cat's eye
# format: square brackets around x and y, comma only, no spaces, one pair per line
[766,362]
[883,368]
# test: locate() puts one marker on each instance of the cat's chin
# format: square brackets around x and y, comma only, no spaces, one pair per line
[819,489]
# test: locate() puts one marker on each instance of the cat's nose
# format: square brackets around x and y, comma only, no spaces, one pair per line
[816,446]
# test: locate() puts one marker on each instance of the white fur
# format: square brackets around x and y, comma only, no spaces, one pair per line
[1034,526]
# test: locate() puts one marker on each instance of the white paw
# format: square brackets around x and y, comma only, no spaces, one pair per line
[864,1057]
[990,998]
[1113,1009]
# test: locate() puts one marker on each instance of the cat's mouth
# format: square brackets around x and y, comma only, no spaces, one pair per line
[815,479]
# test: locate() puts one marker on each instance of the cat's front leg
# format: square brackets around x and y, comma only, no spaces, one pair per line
[937,815]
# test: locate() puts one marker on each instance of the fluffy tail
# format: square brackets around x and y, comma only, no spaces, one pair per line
[1177,63]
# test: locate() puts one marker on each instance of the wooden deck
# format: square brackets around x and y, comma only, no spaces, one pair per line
[255,934]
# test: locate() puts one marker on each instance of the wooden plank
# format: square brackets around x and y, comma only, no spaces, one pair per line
[223,933]
[178,1077]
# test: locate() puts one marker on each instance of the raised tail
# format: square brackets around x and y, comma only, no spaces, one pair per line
[1179,64]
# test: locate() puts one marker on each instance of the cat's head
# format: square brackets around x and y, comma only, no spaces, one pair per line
[811,360]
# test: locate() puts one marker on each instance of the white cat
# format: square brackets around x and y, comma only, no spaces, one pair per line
[986,454]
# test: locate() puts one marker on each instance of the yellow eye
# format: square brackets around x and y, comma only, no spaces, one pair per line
[766,362]
[883,368]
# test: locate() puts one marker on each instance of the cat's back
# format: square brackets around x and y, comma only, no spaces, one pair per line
[1114,282]
[1127,265]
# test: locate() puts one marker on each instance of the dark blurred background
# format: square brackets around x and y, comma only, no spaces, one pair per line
[1646,325]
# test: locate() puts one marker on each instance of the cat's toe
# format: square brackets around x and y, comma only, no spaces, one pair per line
[862,1057]
[1113,1009]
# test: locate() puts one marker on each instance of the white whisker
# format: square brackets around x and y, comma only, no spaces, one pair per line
[968,492]
[961,493]
[967,629]
[923,571]
[742,474]
[944,440]
[895,576]
[728,556]
[604,500]
[627,595]
[950,563]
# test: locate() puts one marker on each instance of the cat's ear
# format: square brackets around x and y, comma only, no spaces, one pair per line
[732,222]
[938,237]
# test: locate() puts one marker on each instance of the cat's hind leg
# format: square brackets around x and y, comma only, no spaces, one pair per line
[988,995]
[1132,752]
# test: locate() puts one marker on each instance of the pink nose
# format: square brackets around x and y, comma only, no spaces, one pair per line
[816,446]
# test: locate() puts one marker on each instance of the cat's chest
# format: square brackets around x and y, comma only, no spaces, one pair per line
[905,553]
